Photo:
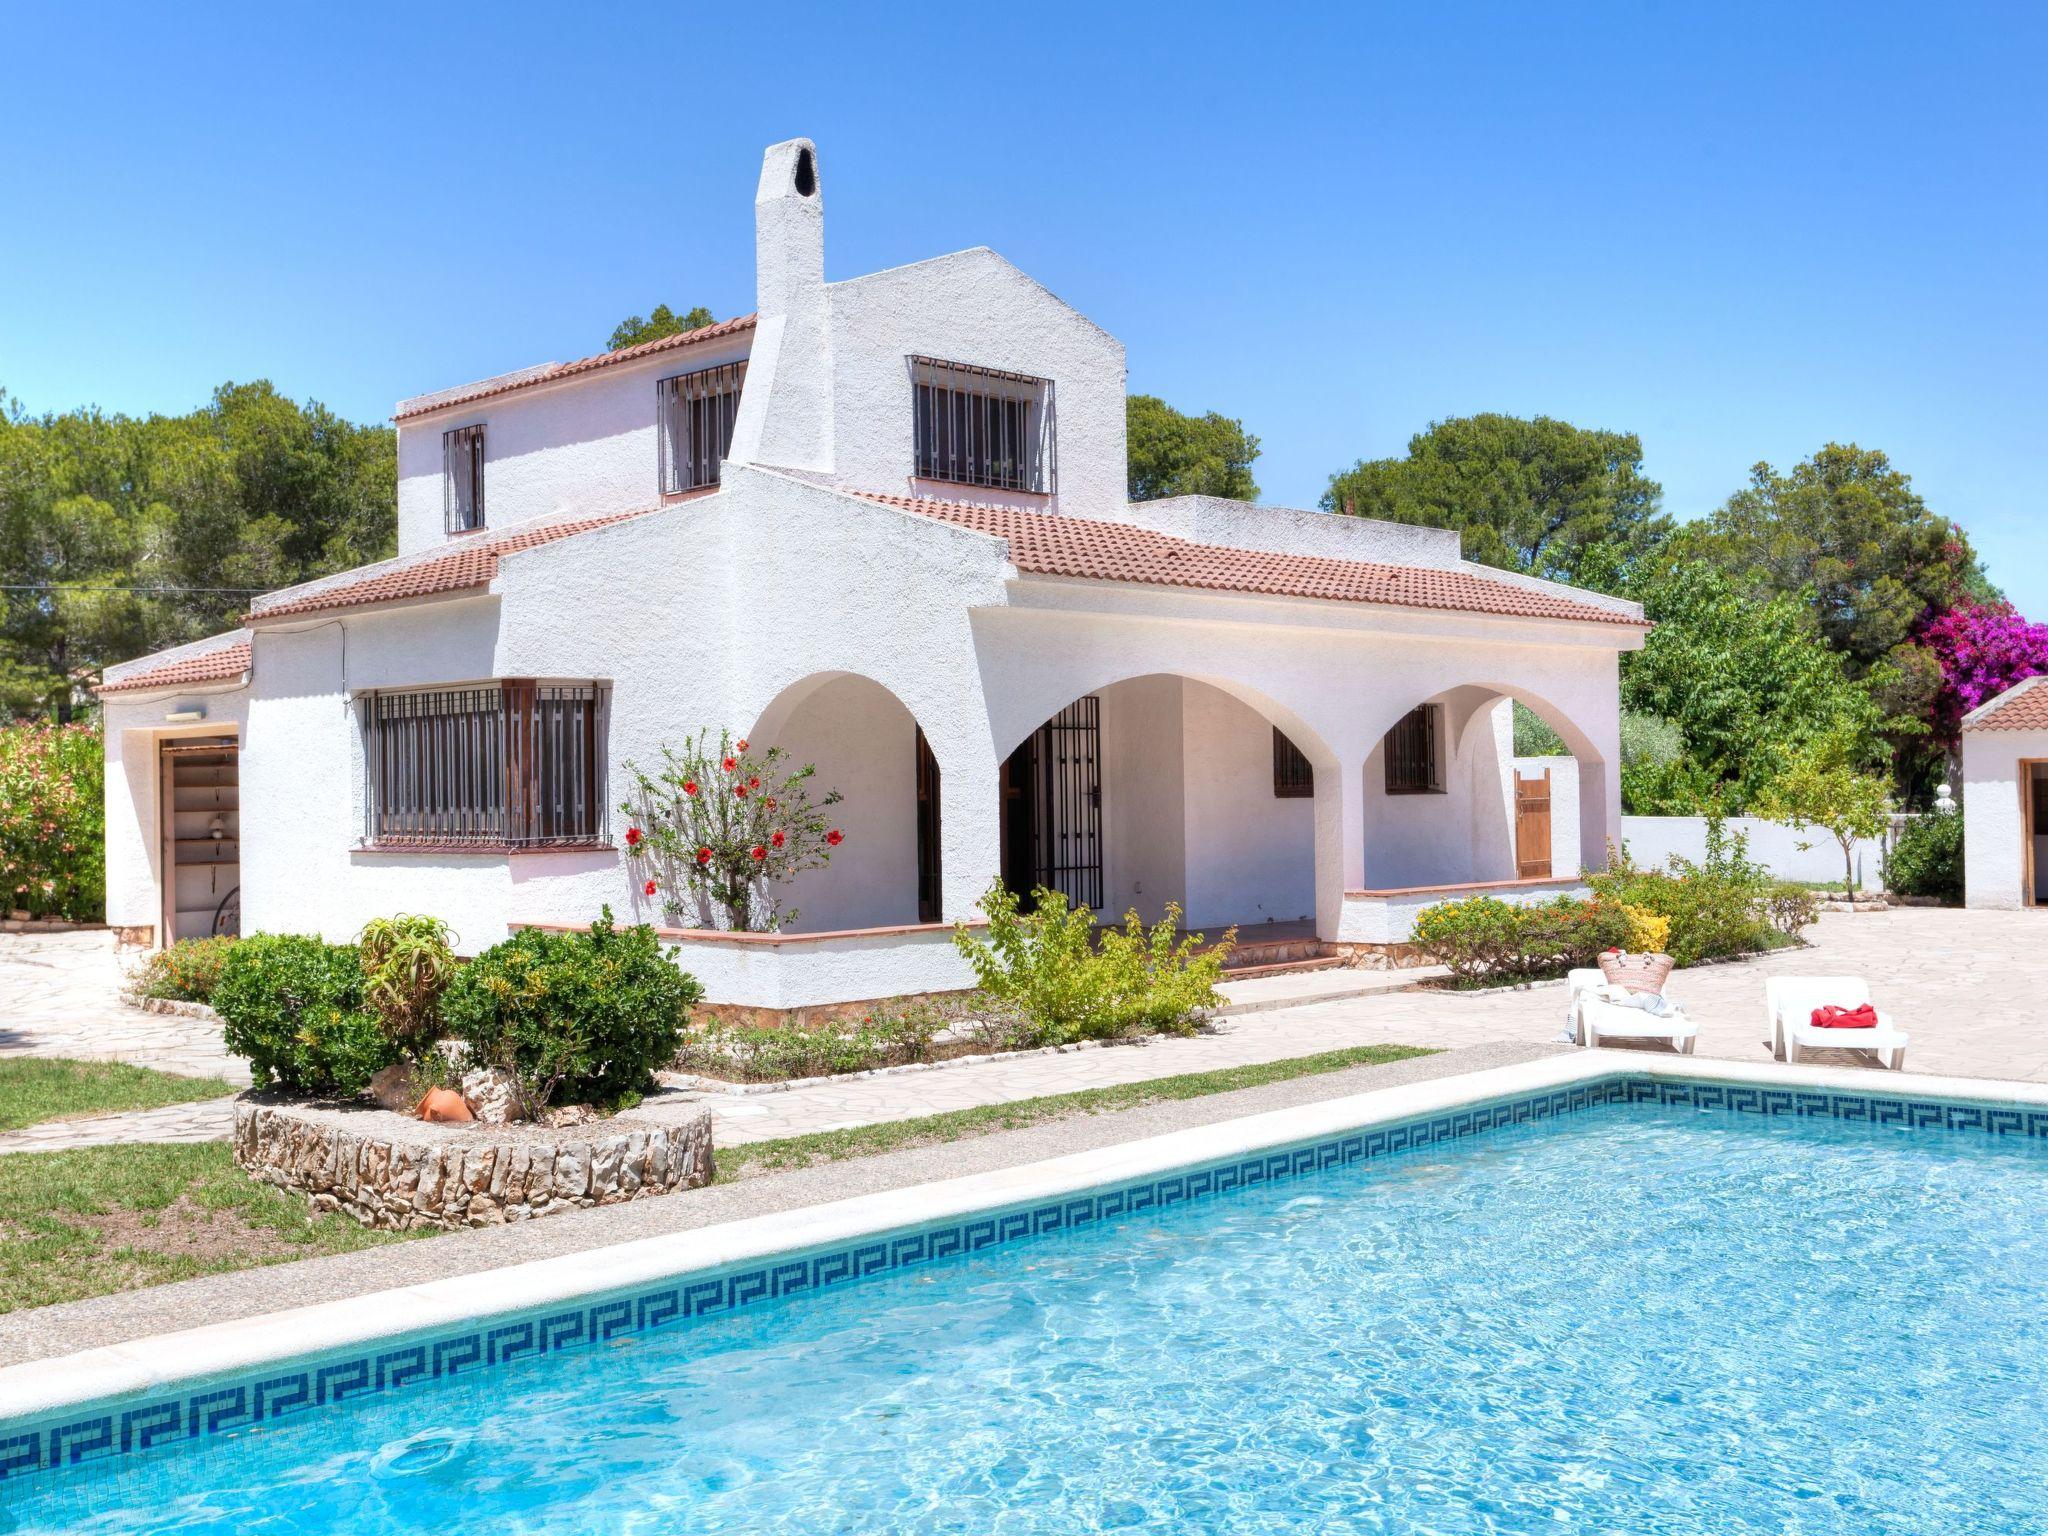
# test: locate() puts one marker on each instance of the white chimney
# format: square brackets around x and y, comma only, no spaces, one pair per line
[785,416]
[789,229]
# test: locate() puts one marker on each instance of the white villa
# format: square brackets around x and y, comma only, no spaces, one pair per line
[2005,798]
[883,523]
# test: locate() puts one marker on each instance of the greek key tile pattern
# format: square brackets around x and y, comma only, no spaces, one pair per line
[82,1436]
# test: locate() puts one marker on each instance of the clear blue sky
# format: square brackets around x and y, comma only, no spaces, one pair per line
[1740,231]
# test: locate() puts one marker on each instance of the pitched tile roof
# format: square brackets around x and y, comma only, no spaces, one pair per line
[472,563]
[1052,544]
[547,373]
[2022,707]
[227,662]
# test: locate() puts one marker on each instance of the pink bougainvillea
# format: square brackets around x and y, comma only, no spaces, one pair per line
[1983,649]
[52,842]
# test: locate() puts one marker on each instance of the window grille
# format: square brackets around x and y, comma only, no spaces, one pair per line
[1293,777]
[980,426]
[1411,753]
[696,415]
[511,764]
[462,478]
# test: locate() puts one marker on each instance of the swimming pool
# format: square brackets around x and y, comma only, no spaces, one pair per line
[1641,1303]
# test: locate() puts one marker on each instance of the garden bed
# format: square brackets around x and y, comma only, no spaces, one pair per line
[397,1173]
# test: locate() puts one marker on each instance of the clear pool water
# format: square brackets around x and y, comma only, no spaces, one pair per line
[1630,1319]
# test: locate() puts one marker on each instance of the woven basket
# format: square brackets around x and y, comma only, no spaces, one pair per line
[1637,973]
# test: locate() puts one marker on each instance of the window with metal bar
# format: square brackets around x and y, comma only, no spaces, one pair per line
[696,412]
[981,426]
[1411,753]
[462,478]
[1293,777]
[511,764]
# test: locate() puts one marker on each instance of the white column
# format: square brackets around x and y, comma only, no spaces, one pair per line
[1340,839]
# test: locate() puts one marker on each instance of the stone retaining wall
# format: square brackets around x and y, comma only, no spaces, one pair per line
[397,1173]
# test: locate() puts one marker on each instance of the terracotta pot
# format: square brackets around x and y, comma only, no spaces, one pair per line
[444,1104]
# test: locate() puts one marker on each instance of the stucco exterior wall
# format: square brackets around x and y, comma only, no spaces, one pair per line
[1145,854]
[1251,857]
[132,730]
[584,445]
[973,307]
[1994,817]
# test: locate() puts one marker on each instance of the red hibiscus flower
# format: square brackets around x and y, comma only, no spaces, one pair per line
[740,790]
[835,837]
[689,786]
[632,837]
[760,853]
[731,763]
[740,745]
[754,783]
[703,855]
[648,888]
[771,802]
[775,841]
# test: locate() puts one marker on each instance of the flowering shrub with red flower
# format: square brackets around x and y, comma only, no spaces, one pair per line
[719,827]
[1983,649]
[52,821]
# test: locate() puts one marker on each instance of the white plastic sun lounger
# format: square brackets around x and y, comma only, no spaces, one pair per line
[1791,1000]
[1595,1019]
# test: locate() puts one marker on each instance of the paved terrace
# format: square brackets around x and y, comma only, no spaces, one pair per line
[1972,987]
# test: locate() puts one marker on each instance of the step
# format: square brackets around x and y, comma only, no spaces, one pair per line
[1283,967]
[1260,993]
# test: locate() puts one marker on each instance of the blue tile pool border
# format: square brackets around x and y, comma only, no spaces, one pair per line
[98,1433]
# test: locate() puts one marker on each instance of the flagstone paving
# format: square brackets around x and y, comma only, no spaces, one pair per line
[1971,987]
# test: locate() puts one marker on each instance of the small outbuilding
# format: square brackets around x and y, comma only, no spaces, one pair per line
[2005,798]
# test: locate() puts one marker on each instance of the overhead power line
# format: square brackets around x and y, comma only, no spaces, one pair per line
[87,586]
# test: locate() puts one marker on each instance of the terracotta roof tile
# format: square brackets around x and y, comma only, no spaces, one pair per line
[2022,707]
[473,563]
[547,373]
[1051,544]
[229,661]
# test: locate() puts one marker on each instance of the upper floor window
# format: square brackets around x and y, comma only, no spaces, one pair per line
[462,478]
[1293,776]
[1412,752]
[980,426]
[696,413]
[515,763]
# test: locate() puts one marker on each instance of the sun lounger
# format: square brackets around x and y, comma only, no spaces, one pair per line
[1595,1019]
[1791,1001]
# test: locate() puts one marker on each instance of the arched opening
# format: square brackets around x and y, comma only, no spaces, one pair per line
[1449,802]
[866,745]
[1165,788]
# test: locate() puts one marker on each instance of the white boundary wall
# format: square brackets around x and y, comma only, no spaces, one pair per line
[1652,840]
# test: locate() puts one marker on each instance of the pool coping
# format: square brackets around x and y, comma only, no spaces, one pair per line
[39,1387]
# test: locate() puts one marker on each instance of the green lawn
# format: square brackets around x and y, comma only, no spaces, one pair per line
[33,1089]
[103,1219]
[955,1125]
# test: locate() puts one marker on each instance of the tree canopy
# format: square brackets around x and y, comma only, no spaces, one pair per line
[1175,454]
[634,329]
[1748,684]
[1848,529]
[120,535]
[1539,495]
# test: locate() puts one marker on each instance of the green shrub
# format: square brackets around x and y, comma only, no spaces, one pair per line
[581,1018]
[187,972]
[293,1005]
[1479,938]
[407,964]
[1927,857]
[1485,939]
[1044,968]
[1790,907]
[1717,907]
[52,821]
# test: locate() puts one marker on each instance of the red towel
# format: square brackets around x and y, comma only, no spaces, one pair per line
[1831,1017]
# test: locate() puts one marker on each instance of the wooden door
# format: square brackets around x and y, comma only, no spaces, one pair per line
[1532,827]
